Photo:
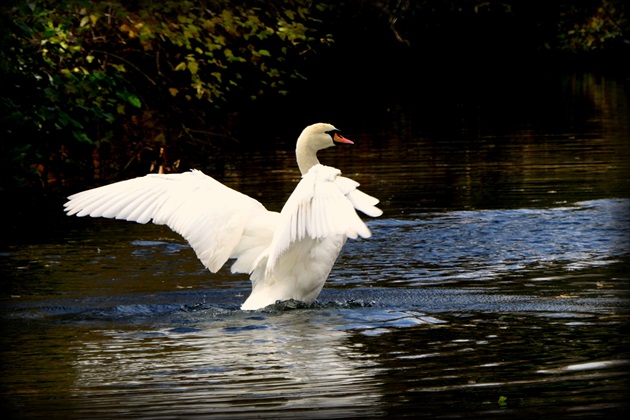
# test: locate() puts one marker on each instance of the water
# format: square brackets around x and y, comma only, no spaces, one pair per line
[495,285]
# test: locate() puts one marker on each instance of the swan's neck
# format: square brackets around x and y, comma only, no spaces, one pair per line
[306,157]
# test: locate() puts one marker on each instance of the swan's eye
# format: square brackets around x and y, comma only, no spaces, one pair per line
[332,133]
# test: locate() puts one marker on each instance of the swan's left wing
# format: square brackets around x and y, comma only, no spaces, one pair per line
[322,205]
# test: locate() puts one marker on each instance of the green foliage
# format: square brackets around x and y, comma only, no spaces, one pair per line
[89,85]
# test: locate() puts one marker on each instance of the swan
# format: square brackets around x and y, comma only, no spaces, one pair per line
[288,255]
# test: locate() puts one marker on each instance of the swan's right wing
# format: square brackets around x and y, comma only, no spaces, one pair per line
[322,205]
[360,200]
[217,221]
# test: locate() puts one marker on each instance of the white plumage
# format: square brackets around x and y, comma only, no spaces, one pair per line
[288,255]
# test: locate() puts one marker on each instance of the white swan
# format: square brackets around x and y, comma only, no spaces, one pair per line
[288,255]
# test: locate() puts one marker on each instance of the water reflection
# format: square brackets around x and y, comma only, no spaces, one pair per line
[283,363]
[324,362]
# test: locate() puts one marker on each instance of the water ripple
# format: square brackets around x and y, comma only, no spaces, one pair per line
[488,244]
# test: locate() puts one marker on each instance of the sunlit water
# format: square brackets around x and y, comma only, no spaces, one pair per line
[495,285]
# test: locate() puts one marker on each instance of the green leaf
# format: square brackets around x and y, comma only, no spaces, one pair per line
[119,67]
[81,136]
[134,100]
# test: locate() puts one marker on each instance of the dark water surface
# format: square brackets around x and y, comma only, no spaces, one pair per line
[495,284]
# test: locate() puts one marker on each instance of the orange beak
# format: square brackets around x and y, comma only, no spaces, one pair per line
[341,139]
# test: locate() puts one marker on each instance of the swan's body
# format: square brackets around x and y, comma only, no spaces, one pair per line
[288,255]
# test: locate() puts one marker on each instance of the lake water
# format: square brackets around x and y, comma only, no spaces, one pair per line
[495,284]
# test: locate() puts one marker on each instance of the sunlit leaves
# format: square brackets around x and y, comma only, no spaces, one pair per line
[215,43]
[585,31]
[123,74]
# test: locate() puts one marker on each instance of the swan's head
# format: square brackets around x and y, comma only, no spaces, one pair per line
[321,136]
[316,137]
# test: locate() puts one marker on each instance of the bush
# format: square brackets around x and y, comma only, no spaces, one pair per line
[95,89]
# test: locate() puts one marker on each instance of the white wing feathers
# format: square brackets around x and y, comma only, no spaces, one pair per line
[209,215]
[221,223]
[322,205]
[360,200]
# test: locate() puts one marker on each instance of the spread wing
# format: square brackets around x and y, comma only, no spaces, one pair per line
[217,221]
[322,205]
